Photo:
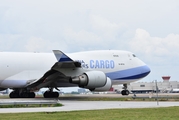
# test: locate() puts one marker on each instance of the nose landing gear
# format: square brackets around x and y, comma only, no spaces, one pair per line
[125,91]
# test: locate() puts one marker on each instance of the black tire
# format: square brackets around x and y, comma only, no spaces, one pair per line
[55,94]
[48,94]
[31,95]
[14,94]
[125,92]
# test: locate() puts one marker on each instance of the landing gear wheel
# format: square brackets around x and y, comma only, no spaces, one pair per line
[24,95]
[31,95]
[27,95]
[125,92]
[49,94]
[14,94]
[55,94]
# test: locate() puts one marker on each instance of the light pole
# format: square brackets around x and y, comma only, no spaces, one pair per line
[156,91]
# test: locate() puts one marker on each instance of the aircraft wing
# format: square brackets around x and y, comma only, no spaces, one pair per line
[54,74]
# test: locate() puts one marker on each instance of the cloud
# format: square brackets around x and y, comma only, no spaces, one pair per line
[102,34]
[82,37]
[89,25]
[102,24]
[81,40]
[10,42]
[155,48]
[105,27]
[36,44]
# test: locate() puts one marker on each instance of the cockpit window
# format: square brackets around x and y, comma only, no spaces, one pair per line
[133,55]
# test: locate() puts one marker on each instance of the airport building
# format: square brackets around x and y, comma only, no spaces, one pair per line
[166,86]
[81,90]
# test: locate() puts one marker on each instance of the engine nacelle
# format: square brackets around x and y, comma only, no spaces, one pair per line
[91,79]
[107,87]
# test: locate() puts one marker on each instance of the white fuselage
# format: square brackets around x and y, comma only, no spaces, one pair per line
[16,68]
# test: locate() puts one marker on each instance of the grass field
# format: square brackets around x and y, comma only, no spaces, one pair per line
[31,105]
[168,113]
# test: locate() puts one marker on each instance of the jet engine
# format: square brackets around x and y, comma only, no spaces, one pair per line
[106,87]
[90,80]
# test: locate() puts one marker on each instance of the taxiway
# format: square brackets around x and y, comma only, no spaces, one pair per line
[90,105]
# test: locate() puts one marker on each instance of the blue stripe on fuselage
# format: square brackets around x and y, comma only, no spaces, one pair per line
[133,73]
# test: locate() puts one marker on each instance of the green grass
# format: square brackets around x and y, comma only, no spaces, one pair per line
[31,105]
[118,99]
[168,113]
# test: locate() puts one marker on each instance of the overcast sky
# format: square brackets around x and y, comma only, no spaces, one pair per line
[148,28]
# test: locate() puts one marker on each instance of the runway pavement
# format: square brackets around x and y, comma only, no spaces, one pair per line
[90,105]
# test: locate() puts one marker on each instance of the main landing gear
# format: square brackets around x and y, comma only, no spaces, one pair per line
[125,91]
[51,94]
[24,94]
[21,93]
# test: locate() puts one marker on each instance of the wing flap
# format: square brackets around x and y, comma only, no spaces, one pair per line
[49,78]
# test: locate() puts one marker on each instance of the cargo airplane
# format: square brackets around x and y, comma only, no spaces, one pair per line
[26,73]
